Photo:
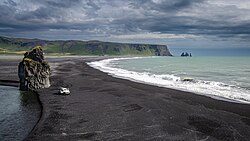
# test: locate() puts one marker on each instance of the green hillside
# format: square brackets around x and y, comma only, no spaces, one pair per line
[75,47]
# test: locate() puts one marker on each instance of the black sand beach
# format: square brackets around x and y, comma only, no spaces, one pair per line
[101,107]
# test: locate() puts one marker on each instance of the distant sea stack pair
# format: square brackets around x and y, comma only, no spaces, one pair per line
[185,54]
[33,70]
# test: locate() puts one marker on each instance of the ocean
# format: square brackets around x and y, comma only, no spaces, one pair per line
[19,112]
[223,78]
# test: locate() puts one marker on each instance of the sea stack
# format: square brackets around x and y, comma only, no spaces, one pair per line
[33,70]
[186,54]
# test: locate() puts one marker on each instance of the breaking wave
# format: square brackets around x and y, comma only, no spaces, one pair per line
[216,90]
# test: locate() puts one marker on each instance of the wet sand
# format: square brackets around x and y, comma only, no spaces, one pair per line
[102,107]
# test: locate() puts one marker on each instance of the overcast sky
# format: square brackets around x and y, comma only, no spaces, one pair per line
[177,23]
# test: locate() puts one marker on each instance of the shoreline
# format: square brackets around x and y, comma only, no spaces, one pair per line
[213,98]
[104,107]
[146,78]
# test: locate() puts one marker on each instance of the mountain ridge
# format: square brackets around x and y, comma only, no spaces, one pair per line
[78,47]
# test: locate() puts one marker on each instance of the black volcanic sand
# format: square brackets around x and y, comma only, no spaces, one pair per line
[102,107]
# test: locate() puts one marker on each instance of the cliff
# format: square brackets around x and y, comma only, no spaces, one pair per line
[75,47]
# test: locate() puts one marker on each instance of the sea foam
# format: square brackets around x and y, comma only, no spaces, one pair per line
[216,90]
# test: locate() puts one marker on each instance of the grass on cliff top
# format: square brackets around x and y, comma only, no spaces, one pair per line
[78,48]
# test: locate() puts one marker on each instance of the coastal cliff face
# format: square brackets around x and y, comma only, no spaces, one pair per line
[162,51]
[108,48]
[34,71]
[74,47]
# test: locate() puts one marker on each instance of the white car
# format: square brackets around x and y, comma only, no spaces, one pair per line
[63,90]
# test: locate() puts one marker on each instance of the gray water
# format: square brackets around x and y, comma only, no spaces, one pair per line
[225,78]
[19,112]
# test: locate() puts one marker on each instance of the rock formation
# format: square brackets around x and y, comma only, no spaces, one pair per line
[186,54]
[33,70]
[160,50]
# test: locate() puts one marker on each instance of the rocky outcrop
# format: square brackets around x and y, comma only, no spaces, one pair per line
[33,70]
[186,54]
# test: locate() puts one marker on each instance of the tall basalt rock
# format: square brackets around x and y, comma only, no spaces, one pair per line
[33,70]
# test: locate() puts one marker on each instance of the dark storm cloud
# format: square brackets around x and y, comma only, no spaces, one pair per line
[187,25]
[111,18]
[62,4]
[166,5]
[10,2]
